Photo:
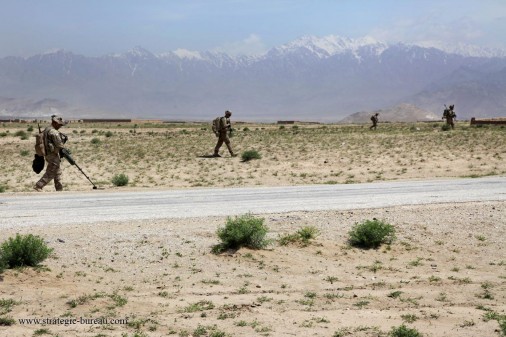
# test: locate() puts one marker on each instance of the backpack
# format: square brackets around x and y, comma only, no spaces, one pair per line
[40,144]
[216,125]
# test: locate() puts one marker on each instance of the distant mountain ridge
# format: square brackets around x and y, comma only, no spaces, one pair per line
[323,79]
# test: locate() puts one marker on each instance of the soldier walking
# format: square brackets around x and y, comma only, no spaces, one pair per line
[54,141]
[450,116]
[374,119]
[221,128]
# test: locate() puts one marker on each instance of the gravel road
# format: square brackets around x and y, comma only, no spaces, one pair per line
[100,206]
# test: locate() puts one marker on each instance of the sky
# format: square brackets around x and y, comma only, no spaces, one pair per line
[100,27]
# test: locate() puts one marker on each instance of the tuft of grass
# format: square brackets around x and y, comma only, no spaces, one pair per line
[7,321]
[303,236]
[371,234]
[199,306]
[404,331]
[40,332]
[250,155]
[120,180]
[242,231]
[24,250]
[502,326]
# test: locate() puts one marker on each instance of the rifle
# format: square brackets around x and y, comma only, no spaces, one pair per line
[65,153]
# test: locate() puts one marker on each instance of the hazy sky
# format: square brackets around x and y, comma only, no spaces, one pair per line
[99,27]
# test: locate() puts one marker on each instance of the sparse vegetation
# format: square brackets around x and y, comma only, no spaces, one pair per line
[242,231]
[7,321]
[24,250]
[404,331]
[21,134]
[371,234]
[120,180]
[437,268]
[302,236]
[250,155]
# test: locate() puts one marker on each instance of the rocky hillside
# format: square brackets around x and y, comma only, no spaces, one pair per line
[399,113]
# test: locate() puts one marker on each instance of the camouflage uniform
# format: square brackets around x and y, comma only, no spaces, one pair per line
[53,143]
[450,115]
[222,133]
[374,119]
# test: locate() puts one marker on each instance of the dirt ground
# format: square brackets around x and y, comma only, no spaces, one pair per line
[445,275]
[177,155]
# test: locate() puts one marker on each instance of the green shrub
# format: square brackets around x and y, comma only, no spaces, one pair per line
[404,331]
[30,128]
[21,134]
[250,154]
[308,233]
[3,134]
[242,231]
[24,153]
[3,263]
[371,234]
[445,127]
[2,188]
[120,180]
[96,141]
[108,134]
[24,250]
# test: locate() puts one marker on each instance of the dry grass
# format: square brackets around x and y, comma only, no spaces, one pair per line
[174,155]
[444,275]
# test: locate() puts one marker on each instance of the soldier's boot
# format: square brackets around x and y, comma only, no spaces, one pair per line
[216,155]
[58,186]
[229,147]
[37,188]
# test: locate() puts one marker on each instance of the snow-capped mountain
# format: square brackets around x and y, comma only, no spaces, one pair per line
[310,78]
[329,46]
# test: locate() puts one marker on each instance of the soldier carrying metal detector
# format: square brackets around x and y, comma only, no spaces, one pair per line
[49,147]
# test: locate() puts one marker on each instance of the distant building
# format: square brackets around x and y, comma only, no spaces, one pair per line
[105,120]
[493,121]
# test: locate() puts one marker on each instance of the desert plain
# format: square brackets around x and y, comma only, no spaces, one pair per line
[444,275]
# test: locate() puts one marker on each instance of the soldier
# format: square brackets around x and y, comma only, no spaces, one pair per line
[450,116]
[374,119]
[221,130]
[53,143]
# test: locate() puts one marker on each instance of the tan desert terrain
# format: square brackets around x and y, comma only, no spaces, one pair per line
[444,275]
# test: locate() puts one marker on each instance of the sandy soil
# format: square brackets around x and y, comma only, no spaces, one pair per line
[178,156]
[445,275]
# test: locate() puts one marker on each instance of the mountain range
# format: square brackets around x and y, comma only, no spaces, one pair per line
[312,78]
